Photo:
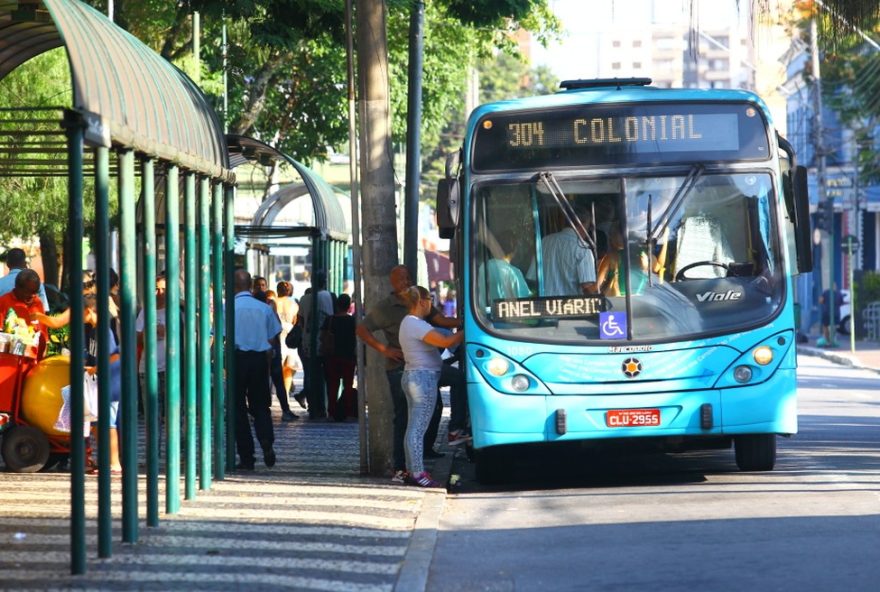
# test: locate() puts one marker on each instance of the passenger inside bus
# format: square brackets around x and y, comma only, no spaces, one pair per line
[498,277]
[568,262]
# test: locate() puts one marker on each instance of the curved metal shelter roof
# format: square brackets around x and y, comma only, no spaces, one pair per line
[329,217]
[130,96]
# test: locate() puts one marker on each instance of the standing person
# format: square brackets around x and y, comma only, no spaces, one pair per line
[16,260]
[340,364]
[386,315]
[287,309]
[90,318]
[314,385]
[160,344]
[828,321]
[256,326]
[276,377]
[419,342]
[260,284]
[569,263]
[449,304]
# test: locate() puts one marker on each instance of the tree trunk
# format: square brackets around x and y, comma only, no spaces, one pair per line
[379,229]
[257,96]
[49,256]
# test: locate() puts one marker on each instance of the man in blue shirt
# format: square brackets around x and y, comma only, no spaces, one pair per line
[256,328]
[16,260]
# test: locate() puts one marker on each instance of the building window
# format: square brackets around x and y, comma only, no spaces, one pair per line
[637,43]
[615,65]
[637,65]
[615,43]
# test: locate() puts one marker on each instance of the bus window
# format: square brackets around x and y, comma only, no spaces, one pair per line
[697,253]
[505,245]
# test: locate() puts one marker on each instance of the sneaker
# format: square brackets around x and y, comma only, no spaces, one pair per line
[300,398]
[424,479]
[399,476]
[458,437]
[288,416]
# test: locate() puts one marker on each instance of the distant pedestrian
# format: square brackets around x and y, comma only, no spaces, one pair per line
[276,375]
[314,385]
[449,304]
[256,328]
[829,320]
[340,363]
[287,309]
[421,345]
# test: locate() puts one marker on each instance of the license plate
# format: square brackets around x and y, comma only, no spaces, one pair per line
[632,418]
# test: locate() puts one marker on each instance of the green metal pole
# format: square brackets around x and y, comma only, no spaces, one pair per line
[229,260]
[172,339]
[204,320]
[190,298]
[74,129]
[102,277]
[217,279]
[127,315]
[151,364]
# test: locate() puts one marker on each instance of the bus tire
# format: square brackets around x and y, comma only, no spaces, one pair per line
[490,466]
[755,452]
[25,449]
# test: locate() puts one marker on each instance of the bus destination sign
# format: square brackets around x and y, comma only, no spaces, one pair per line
[593,135]
[548,307]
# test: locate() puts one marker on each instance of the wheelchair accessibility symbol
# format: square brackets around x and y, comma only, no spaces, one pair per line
[612,325]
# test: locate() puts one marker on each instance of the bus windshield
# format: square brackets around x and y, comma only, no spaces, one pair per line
[664,257]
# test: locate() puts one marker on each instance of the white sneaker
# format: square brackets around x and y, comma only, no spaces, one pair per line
[399,477]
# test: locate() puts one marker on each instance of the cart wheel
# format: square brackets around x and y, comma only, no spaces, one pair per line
[25,449]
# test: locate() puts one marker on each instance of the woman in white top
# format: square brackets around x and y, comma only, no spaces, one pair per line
[287,309]
[421,345]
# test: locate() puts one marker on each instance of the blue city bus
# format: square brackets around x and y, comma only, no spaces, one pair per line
[625,257]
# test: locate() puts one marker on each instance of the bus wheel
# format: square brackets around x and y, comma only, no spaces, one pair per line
[755,452]
[490,465]
[25,449]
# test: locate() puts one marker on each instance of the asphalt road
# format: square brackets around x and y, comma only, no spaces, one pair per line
[692,521]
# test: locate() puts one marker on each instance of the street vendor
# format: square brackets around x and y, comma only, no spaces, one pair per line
[24,301]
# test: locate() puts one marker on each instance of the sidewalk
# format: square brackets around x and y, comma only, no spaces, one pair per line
[866,356]
[312,522]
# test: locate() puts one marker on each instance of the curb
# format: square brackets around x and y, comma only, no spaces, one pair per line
[413,575]
[836,358]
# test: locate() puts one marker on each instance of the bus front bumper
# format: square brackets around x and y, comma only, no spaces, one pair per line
[766,408]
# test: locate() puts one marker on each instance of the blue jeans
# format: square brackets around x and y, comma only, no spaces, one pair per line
[420,388]
[400,408]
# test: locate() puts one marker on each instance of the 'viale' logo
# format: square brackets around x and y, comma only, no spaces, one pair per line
[719,296]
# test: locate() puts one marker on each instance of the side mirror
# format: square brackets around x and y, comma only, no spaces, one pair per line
[447,206]
[803,233]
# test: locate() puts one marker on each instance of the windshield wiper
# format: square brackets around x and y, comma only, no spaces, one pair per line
[568,211]
[683,190]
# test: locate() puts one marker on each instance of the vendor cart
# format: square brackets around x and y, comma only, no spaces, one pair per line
[30,401]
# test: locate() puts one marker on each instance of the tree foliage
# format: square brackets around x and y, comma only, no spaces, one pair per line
[31,204]
[851,87]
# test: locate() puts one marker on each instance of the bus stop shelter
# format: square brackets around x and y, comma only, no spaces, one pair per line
[136,119]
[327,231]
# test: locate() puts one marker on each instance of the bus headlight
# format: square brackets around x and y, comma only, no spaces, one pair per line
[497,366]
[763,355]
[520,383]
[742,374]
